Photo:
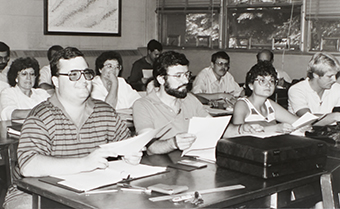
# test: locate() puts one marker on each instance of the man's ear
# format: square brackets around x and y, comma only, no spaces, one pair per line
[211,64]
[55,81]
[161,80]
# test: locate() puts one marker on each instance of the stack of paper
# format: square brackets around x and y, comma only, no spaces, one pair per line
[117,171]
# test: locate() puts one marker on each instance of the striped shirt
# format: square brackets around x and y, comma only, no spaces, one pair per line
[49,131]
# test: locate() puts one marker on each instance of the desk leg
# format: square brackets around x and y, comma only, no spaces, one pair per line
[8,164]
[36,201]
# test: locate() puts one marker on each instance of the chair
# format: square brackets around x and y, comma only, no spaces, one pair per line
[330,188]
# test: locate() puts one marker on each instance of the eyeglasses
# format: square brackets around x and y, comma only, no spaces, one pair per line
[25,73]
[263,82]
[222,64]
[2,59]
[115,67]
[181,75]
[74,75]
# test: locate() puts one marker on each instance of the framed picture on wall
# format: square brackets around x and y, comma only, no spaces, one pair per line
[74,17]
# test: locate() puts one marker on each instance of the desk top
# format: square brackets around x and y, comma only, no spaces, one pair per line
[200,179]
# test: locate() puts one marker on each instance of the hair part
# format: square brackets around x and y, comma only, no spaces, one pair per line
[108,55]
[320,63]
[20,64]
[67,53]
[166,60]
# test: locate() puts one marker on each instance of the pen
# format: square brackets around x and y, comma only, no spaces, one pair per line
[100,192]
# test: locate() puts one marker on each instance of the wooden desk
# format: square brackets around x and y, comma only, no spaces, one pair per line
[256,193]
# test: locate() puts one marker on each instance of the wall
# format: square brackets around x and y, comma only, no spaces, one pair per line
[22,25]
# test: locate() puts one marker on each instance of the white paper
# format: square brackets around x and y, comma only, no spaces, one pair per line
[207,130]
[147,73]
[204,154]
[307,119]
[116,171]
[132,144]
[261,134]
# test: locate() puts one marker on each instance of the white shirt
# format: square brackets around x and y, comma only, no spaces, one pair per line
[301,95]
[206,82]
[126,95]
[45,75]
[13,98]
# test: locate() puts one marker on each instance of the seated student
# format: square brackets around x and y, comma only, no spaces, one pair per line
[45,81]
[256,108]
[5,54]
[136,79]
[171,105]
[17,101]
[62,135]
[319,92]
[215,81]
[107,86]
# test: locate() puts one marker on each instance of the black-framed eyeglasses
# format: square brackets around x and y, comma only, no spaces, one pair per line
[3,59]
[181,75]
[263,81]
[74,75]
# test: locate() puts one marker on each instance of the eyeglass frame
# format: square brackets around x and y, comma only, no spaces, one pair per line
[82,72]
[5,58]
[119,67]
[180,75]
[261,81]
[222,64]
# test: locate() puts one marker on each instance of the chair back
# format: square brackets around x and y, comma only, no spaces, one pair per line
[330,188]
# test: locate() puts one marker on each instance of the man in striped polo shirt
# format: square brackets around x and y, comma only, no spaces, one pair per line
[62,134]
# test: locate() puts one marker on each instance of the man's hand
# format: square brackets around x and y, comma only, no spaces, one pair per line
[111,79]
[97,159]
[184,140]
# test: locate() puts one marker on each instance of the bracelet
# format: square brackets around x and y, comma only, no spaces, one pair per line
[175,143]
[239,129]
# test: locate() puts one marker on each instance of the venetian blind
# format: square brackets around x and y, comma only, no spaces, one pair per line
[329,9]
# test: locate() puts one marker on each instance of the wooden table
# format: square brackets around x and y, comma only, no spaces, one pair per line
[296,190]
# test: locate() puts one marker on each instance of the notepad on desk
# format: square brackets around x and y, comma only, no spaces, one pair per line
[116,172]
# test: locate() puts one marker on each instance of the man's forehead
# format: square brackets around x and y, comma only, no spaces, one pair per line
[177,69]
[3,53]
[73,63]
[222,60]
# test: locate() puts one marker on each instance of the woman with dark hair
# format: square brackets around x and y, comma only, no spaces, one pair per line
[17,101]
[107,86]
[256,108]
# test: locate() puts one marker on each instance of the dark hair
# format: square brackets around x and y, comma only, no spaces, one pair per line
[153,44]
[268,53]
[67,53]
[20,64]
[108,55]
[319,62]
[4,47]
[51,49]
[264,68]
[164,61]
[220,54]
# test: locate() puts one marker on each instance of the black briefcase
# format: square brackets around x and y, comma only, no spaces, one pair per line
[271,157]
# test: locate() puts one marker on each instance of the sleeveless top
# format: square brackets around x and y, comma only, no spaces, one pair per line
[255,116]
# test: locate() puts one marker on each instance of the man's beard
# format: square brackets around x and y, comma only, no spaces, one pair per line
[176,92]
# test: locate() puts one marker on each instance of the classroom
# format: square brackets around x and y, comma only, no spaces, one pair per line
[170,104]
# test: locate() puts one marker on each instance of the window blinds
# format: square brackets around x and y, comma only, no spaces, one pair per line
[322,9]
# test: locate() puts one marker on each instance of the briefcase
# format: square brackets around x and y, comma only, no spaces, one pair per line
[271,157]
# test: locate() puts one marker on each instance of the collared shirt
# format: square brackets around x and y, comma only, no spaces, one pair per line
[126,95]
[301,95]
[206,82]
[45,75]
[151,112]
[13,98]
[49,131]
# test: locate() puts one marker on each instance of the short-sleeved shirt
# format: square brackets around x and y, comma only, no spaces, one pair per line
[49,131]
[45,75]
[13,98]
[151,112]
[206,82]
[301,96]
[136,74]
[126,95]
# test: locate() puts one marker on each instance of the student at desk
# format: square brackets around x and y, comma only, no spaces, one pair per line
[256,108]
[62,134]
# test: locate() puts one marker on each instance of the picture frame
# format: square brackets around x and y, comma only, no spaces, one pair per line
[74,17]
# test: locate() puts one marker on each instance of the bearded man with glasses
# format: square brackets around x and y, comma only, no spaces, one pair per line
[62,135]
[171,106]
[216,82]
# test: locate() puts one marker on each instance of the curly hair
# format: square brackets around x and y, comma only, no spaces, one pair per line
[262,68]
[20,64]
[108,55]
